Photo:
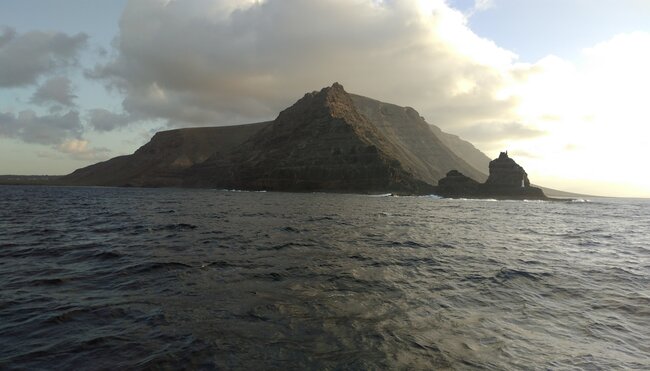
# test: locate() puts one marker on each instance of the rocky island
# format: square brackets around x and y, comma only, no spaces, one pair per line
[507,180]
[328,141]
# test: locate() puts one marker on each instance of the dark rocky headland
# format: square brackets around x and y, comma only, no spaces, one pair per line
[507,180]
[328,141]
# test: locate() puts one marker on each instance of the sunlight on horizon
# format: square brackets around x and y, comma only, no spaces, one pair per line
[595,117]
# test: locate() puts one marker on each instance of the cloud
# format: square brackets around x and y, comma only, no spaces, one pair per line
[48,129]
[57,90]
[594,112]
[520,153]
[25,57]
[6,35]
[62,132]
[79,150]
[483,4]
[200,62]
[495,132]
[480,6]
[104,120]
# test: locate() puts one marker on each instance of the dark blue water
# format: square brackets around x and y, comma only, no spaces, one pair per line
[102,278]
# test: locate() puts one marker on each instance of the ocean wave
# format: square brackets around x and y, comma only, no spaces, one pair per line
[234,280]
[238,190]
[150,267]
[509,274]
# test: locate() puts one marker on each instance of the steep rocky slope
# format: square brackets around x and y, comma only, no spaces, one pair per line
[464,149]
[321,143]
[420,149]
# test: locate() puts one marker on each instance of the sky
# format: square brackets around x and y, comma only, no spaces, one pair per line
[561,84]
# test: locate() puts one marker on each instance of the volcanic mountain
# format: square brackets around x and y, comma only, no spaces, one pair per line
[329,140]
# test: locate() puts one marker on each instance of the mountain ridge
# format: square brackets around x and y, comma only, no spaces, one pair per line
[328,140]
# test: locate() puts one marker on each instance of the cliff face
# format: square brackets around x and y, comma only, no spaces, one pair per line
[327,141]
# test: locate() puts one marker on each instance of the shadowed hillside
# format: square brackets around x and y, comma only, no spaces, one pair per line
[161,162]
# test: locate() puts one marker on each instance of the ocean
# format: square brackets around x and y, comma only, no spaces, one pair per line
[126,278]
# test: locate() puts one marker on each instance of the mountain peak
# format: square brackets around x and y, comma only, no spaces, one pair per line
[337,86]
[329,102]
[333,93]
[336,90]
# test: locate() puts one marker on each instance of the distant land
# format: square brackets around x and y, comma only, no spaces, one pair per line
[328,141]
[29,179]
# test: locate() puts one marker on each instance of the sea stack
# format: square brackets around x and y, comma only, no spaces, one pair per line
[507,180]
[504,172]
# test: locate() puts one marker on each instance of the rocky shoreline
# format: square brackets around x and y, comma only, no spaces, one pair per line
[507,180]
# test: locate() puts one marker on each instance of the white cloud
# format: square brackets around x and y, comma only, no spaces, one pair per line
[498,133]
[80,150]
[595,112]
[480,6]
[200,62]
[29,127]
[25,57]
[104,120]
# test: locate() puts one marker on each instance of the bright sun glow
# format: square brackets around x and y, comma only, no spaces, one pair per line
[596,116]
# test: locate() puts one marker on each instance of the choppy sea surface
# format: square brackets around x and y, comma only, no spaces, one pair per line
[109,278]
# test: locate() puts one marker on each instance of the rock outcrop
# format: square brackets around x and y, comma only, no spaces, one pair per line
[505,172]
[456,184]
[328,140]
[422,146]
[507,180]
